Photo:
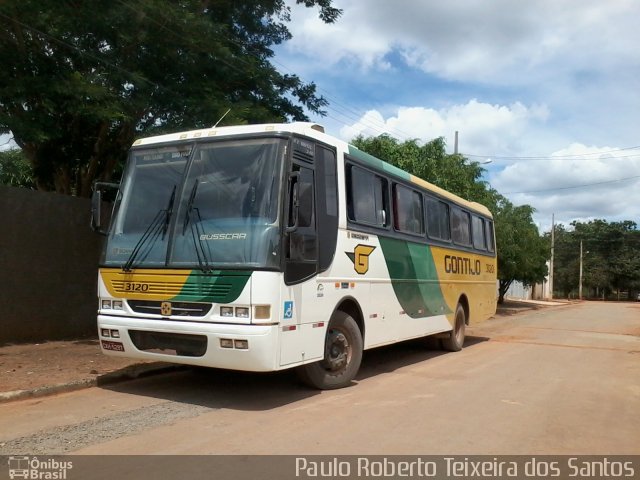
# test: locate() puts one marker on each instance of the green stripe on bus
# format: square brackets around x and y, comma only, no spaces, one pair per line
[414,278]
[376,163]
[219,286]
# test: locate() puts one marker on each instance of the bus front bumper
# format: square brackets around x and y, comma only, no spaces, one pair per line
[236,347]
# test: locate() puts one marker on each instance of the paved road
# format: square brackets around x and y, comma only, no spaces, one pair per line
[561,380]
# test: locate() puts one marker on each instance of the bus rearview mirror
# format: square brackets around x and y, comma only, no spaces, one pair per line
[97,200]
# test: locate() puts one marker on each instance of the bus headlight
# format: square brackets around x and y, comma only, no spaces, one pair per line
[241,344]
[226,311]
[242,312]
[106,304]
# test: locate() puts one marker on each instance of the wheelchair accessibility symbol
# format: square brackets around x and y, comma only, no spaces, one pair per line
[288,310]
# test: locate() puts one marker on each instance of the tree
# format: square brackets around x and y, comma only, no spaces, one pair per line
[566,262]
[81,79]
[429,162]
[15,169]
[611,258]
[522,252]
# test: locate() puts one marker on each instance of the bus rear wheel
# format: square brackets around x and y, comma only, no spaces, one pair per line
[455,340]
[342,356]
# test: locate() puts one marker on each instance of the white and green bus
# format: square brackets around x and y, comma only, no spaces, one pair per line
[267,247]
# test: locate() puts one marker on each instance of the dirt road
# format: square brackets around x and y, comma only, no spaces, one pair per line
[561,380]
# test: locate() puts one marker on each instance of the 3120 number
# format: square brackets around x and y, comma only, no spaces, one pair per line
[136,287]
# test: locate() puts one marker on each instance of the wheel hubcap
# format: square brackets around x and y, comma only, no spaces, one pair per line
[338,351]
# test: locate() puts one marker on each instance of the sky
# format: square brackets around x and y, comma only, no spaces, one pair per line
[549,90]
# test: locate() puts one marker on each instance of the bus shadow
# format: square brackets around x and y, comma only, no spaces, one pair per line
[216,388]
[247,391]
[389,358]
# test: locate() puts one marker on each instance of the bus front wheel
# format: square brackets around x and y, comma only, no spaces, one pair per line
[342,355]
[455,340]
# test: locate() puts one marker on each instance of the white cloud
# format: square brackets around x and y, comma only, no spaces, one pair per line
[330,44]
[516,79]
[497,42]
[578,57]
[578,182]
[482,127]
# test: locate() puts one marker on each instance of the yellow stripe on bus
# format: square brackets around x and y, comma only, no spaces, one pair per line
[144,284]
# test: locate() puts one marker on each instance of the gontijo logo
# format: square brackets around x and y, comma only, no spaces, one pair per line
[360,257]
[462,265]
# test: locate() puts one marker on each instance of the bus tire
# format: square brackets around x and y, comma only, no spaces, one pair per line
[454,341]
[342,355]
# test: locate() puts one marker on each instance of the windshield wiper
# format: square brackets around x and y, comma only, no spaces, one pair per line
[187,216]
[169,212]
[159,224]
[197,231]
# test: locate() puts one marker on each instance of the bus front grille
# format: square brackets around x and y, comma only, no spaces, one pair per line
[184,309]
[183,344]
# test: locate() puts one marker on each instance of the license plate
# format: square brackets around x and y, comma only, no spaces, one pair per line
[115,346]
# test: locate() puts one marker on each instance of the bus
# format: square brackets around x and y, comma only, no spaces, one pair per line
[267,247]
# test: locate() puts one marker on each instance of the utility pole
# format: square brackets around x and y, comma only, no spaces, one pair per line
[580,282]
[553,228]
[455,144]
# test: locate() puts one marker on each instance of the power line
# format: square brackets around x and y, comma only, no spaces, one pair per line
[342,110]
[334,105]
[83,52]
[577,156]
[353,114]
[244,47]
[192,44]
[575,186]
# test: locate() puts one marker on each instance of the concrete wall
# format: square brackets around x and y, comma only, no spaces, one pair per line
[518,291]
[48,267]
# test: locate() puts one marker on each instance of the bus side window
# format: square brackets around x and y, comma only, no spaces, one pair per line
[305,199]
[407,209]
[303,245]
[367,197]
[326,206]
[479,237]
[438,219]
[489,233]
[460,227]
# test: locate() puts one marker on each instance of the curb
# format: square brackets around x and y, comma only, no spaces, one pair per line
[529,307]
[128,373]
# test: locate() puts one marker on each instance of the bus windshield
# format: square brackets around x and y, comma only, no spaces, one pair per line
[204,205]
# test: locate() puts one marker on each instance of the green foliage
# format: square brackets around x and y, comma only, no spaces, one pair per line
[611,258]
[431,163]
[15,169]
[81,79]
[522,252]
